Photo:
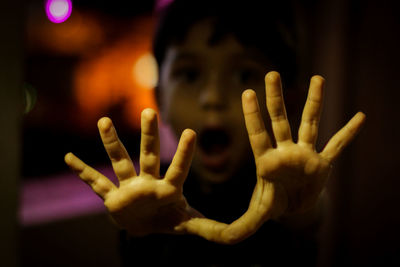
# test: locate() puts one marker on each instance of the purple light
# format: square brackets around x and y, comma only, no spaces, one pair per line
[161,4]
[58,10]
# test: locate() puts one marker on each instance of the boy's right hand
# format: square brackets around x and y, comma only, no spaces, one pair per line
[144,203]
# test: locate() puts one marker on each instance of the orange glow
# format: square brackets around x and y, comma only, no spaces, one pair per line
[104,80]
[79,34]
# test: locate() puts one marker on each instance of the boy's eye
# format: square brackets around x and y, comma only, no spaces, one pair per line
[187,75]
[248,76]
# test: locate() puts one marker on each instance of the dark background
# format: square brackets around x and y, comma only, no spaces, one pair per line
[353,44]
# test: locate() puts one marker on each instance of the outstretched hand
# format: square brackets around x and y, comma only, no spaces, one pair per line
[291,175]
[144,203]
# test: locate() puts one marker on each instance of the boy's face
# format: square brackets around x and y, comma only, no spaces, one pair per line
[201,86]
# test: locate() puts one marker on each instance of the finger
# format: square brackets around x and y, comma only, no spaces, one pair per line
[308,131]
[259,138]
[276,107]
[120,159]
[180,165]
[150,144]
[100,184]
[342,138]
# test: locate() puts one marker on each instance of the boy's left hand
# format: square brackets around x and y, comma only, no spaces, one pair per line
[291,176]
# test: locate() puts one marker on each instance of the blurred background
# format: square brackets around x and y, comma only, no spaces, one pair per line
[65,64]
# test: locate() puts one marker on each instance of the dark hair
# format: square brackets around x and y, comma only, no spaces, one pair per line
[267,26]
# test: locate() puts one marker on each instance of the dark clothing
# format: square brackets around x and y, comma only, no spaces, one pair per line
[272,245]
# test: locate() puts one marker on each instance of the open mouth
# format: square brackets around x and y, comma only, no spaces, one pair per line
[214,144]
[214,141]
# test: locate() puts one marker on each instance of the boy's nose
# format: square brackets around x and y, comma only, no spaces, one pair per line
[212,97]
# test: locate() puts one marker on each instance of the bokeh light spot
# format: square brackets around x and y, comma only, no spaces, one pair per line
[58,10]
[145,71]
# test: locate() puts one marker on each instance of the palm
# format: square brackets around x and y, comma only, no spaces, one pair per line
[147,205]
[301,171]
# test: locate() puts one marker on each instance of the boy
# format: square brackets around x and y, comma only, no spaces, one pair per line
[207,57]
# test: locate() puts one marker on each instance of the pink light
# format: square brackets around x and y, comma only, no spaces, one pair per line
[58,10]
[161,4]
